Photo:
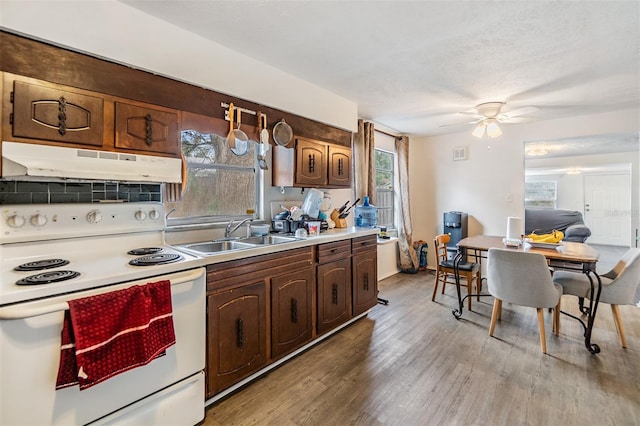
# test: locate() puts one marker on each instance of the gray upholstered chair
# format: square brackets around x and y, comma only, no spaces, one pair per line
[523,279]
[618,285]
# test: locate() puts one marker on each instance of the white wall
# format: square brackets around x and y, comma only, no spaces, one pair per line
[116,31]
[489,185]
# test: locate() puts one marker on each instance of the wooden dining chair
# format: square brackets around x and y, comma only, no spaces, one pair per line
[522,278]
[618,286]
[445,272]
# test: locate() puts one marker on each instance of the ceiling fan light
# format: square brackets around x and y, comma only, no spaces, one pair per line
[493,131]
[478,132]
[536,152]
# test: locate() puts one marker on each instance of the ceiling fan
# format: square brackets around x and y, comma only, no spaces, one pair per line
[487,115]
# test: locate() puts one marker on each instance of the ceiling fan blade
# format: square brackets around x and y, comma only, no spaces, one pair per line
[514,120]
[516,112]
[461,124]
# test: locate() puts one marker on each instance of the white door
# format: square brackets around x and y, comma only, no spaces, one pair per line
[607,208]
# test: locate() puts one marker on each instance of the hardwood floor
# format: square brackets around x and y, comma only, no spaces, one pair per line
[412,363]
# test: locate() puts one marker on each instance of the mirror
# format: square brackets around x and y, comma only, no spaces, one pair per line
[596,175]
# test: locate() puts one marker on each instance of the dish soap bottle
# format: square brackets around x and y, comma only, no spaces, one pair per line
[366,214]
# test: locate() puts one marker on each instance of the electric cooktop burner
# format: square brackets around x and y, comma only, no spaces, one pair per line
[41,264]
[145,250]
[48,277]
[156,259]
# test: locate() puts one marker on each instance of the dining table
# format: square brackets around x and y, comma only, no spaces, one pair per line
[578,257]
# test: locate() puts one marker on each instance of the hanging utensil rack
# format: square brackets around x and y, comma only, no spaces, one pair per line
[236,109]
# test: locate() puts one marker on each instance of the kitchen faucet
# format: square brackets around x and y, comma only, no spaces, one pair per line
[230,229]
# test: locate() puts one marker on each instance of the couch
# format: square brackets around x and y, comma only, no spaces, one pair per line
[544,221]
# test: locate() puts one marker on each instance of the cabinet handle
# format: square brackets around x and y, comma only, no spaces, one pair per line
[240,333]
[340,167]
[366,281]
[334,251]
[334,294]
[148,120]
[62,115]
[312,162]
[294,310]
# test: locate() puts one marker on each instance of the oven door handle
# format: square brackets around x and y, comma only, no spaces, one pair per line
[43,307]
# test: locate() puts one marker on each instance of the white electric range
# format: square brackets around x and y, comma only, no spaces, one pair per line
[57,252]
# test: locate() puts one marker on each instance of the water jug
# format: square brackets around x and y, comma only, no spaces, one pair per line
[366,214]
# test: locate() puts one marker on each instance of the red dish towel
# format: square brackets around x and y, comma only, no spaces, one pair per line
[110,333]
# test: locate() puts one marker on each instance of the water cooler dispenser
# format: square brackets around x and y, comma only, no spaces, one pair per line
[455,224]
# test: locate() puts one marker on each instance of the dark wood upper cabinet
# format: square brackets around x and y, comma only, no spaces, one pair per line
[146,129]
[41,112]
[38,60]
[339,166]
[52,113]
[312,163]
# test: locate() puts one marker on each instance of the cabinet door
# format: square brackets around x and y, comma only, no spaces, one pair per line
[334,294]
[237,335]
[339,166]
[311,163]
[365,282]
[291,298]
[58,115]
[146,129]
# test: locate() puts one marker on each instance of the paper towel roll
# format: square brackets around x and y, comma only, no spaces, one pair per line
[514,228]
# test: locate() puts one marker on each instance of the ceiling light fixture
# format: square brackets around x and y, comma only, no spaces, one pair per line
[536,152]
[478,132]
[491,127]
[489,115]
[493,131]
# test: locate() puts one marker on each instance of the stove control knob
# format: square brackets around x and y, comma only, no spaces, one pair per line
[140,215]
[15,221]
[38,220]
[94,216]
[154,214]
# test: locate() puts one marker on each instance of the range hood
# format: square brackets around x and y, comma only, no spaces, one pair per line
[21,159]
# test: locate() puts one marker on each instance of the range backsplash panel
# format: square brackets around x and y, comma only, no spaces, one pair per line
[30,192]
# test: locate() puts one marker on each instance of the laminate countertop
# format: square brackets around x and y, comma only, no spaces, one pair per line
[328,236]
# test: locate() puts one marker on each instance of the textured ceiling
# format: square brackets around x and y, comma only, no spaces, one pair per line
[413,66]
[586,145]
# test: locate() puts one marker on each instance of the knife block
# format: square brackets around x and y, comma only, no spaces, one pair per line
[335,216]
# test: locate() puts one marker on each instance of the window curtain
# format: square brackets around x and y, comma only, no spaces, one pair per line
[408,258]
[364,157]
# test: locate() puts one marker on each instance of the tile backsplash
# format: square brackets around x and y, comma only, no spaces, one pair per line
[29,192]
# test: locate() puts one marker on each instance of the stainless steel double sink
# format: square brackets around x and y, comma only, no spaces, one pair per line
[212,247]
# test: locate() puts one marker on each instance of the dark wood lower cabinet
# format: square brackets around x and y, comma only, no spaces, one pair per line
[365,282]
[236,333]
[365,273]
[334,294]
[262,308]
[291,311]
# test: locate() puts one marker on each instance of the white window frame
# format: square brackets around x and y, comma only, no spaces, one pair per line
[387,143]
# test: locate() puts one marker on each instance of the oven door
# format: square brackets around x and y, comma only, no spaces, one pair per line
[30,353]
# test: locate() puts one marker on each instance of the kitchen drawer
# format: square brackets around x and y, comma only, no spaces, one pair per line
[365,244]
[330,252]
